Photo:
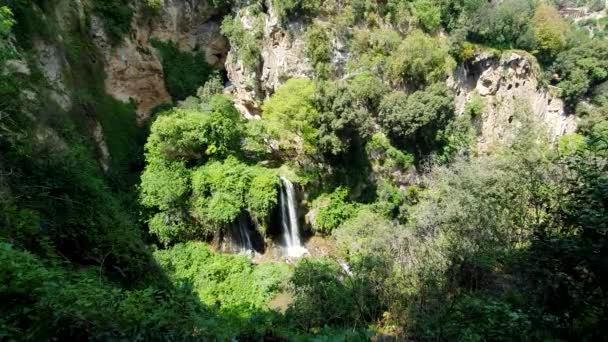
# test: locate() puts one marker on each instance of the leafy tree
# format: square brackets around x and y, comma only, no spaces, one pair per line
[196,135]
[419,60]
[428,13]
[501,23]
[6,21]
[419,116]
[332,210]
[290,115]
[344,120]
[318,48]
[223,190]
[581,68]
[321,298]
[286,9]
[550,31]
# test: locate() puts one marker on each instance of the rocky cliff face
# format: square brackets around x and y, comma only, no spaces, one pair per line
[133,68]
[282,57]
[508,85]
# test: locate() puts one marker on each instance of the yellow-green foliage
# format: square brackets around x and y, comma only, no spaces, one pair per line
[570,144]
[194,134]
[419,60]
[228,281]
[332,210]
[193,178]
[222,190]
[550,30]
[290,116]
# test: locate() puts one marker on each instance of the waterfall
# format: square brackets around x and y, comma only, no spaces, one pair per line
[241,236]
[245,234]
[289,220]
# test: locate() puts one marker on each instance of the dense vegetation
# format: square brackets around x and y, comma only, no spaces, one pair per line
[431,238]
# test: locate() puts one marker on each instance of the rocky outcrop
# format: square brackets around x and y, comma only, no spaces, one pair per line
[508,86]
[282,57]
[133,68]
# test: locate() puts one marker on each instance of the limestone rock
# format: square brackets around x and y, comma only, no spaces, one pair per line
[507,85]
[282,57]
[133,68]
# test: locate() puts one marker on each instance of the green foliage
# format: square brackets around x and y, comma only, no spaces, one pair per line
[290,115]
[501,24]
[380,150]
[116,16]
[344,120]
[6,21]
[195,197]
[223,190]
[332,210]
[475,106]
[550,31]
[419,116]
[155,4]
[228,282]
[196,135]
[320,297]
[318,48]
[43,301]
[428,14]
[286,9]
[245,42]
[475,319]
[371,49]
[571,144]
[419,60]
[213,86]
[184,72]
[581,68]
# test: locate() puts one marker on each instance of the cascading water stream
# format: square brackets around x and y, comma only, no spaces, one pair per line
[244,235]
[289,220]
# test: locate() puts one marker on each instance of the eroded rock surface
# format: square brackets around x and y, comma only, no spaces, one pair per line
[133,68]
[508,86]
[282,57]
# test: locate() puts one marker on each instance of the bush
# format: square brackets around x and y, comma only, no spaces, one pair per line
[223,190]
[550,32]
[420,60]
[116,16]
[290,115]
[332,210]
[501,24]
[418,117]
[245,43]
[184,72]
[321,298]
[318,48]
[581,68]
[229,282]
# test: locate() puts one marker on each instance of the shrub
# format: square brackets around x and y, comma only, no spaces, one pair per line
[245,43]
[318,48]
[550,31]
[290,115]
[428,14]
[116,16]
[332,210]
[581,68]
[184,72]
[417,117]
[420,60]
